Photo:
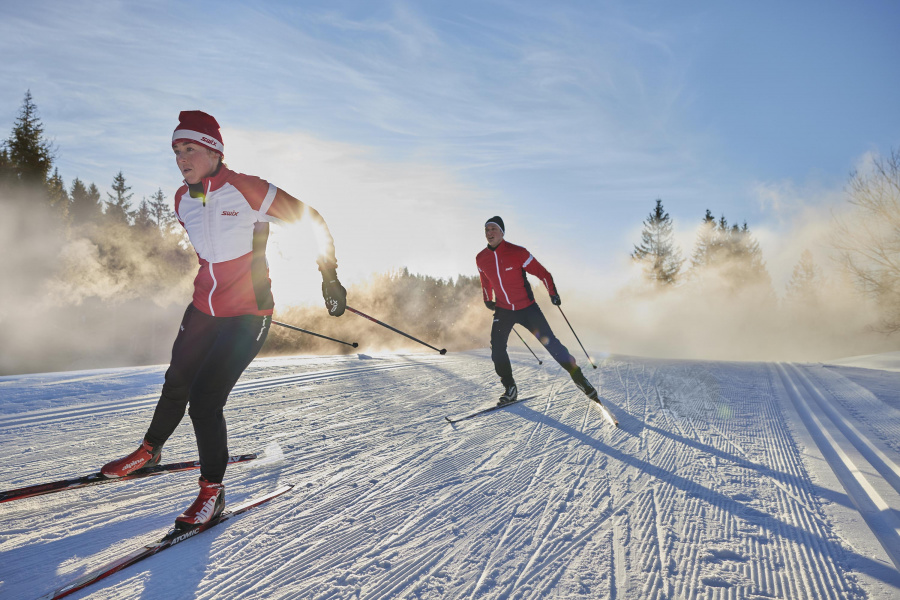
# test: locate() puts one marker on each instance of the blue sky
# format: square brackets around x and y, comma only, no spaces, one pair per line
[407,124]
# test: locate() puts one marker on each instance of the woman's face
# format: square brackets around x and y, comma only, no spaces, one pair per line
[195,161]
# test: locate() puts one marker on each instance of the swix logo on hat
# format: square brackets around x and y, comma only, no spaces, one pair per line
[197,126]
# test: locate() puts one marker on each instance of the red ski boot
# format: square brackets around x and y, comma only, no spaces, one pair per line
[145,456]
[208,505]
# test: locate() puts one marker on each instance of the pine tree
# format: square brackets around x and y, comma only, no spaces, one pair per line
[162,214]
[731,253]
[85,206]
[29,157]
[58,196]
[657,252]
[94,197]
[747,247]
[143,217]
[706,242]
[806,280]
[118,207]
[7,173]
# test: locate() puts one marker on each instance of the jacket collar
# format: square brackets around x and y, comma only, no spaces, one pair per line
[208,184]
[494,249]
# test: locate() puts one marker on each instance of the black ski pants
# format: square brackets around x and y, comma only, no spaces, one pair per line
[208,357]
[532,319]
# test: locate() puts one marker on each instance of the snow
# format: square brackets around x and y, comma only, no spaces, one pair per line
[725,480]
[889,361]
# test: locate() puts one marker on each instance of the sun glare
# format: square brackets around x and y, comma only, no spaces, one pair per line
[292,252]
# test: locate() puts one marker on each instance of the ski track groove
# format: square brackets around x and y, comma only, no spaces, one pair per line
[843,447]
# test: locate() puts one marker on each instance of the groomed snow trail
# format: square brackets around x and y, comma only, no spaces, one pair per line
[707,491]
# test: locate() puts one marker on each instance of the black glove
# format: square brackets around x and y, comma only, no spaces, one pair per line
[334,294]
[490,304]
[554,298]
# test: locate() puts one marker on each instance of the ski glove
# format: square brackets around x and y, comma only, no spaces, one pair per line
[490,304]
[334,294]
[554,298]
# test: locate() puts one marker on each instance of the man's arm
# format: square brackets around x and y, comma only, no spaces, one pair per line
[487,290]
[533,267]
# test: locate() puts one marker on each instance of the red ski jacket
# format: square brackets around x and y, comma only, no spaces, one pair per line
[502,270]
[228,227]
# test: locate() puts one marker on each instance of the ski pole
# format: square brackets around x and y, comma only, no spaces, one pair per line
[591,360]
[374,320]
[540,362]
[354,344]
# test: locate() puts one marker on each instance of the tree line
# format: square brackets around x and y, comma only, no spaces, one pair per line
[864,245]
[30,183]
[729,251]
[89,260]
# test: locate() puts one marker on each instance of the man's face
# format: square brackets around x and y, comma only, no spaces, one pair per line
[493,234]
[194,161]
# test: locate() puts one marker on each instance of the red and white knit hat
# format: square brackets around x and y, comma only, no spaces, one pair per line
[197,126]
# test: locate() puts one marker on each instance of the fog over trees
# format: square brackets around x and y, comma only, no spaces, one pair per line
[868,239]
[100,278]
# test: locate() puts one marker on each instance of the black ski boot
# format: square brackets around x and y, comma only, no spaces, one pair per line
[509,396]
[583,384]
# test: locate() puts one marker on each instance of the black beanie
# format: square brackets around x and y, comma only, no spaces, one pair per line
[498,222]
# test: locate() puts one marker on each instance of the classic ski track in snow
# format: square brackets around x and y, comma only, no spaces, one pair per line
[702,493]
[868,473]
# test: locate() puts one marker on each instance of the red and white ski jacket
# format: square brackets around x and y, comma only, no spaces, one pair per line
[228,227]
[502,270]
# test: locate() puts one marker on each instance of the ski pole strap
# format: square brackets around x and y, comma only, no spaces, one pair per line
[540,362]
[394,329]
[353,344]
[590,360]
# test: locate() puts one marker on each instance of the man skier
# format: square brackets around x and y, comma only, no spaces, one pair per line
[226,216]
[502,267]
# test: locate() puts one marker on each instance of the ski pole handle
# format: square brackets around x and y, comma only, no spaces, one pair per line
[394,329]
[354,344]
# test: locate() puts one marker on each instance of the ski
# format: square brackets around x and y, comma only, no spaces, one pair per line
[487,410]
[174,536]
[98,478]
[607,414]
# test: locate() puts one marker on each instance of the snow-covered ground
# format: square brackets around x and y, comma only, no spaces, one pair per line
[725,480]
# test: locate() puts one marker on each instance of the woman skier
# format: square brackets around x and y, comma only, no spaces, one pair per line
[226,216]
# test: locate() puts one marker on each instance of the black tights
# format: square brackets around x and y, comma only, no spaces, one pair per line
[208,357]
[532,319]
